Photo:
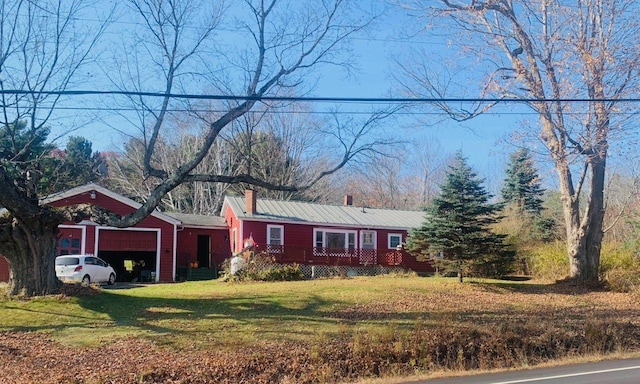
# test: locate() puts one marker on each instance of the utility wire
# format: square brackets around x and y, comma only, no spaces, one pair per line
[317,99]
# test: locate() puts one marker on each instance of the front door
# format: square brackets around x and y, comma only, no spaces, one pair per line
[368,247]
[204,251]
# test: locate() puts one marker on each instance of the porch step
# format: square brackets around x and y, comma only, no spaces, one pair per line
[198,274]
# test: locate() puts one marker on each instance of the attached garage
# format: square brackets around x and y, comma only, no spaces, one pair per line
[133,252]
[145,252]
[152,250]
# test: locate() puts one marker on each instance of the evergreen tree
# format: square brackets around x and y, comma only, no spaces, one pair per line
[457,227]
[80,164]
[521,185]
[32,170]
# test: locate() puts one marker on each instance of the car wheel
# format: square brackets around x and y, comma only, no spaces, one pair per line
[86,280]
[112,279]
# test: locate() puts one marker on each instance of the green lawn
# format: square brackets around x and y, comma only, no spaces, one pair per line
[212,312]
[345,329]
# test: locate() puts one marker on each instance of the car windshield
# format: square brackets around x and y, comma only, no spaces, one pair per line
[67,261]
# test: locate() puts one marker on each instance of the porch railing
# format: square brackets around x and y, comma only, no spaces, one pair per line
[349,257]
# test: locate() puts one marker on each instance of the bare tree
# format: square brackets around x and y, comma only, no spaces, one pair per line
[271,46]
[44,46]
[285,41]
[126,173]
[547,53]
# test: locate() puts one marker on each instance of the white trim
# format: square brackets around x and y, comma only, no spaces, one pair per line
[158,232]
[83,239]
[281,227]
[332,230]
[389,239]
[159,254]
[175,254]
[240,240]
[375,238]
[113,195]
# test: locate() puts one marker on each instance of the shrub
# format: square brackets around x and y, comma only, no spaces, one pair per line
[620,267]
[548,261]
[262,267]
[281,273]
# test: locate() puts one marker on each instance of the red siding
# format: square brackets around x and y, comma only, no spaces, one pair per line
[188,245]
[123,240]
[70,240]
[4,269]
[115,206]
[301,235]
[299,243]
[234,223]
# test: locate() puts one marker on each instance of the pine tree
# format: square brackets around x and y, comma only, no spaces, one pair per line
[80,164]
[457,227]
[521,185]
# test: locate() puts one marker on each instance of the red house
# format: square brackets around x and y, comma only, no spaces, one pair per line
[312,234]
[153,250]
[172,246]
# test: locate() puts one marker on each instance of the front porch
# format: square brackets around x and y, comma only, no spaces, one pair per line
[345,257]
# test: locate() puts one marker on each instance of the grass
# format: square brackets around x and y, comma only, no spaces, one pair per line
[386,326]
[208,312]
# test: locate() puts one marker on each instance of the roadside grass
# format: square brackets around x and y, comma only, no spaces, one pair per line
[328,330]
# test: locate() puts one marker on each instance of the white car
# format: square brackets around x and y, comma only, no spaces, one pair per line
[85,269]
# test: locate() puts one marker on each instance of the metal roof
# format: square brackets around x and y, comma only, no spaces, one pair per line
[338,215]
[191,220]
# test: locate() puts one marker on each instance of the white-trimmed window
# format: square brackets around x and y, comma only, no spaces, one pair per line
[275,237]
[334,239]
[394,240]
[368,240]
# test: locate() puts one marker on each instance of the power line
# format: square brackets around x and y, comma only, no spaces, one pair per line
[371,100]
[302,112]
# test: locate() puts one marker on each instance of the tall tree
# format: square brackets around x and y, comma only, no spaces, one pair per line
[266,48]
[458,226]
[548,54]
[522,183]
[282,42]
[80,165]
[45,47]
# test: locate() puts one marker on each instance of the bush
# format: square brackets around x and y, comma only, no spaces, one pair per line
[548,261]
[281,273]
[262,267]
[620,267]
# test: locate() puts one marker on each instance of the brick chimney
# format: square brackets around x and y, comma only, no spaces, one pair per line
[348,200]
[250,201]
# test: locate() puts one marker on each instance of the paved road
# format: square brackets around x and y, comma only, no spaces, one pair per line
[604,372]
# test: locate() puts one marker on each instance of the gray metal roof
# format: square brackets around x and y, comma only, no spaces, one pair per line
[191,220]
[313,213]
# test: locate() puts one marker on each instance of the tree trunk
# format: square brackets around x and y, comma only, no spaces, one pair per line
[584,234]
[30,248]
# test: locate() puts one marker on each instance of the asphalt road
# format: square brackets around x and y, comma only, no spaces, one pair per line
[604,372]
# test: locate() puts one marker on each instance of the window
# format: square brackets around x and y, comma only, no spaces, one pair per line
[334,239]
[234,236]
[275,238]
[368,240]
[275,234]
[68,246]
[395,239]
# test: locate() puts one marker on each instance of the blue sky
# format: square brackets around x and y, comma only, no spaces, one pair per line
[483,140]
